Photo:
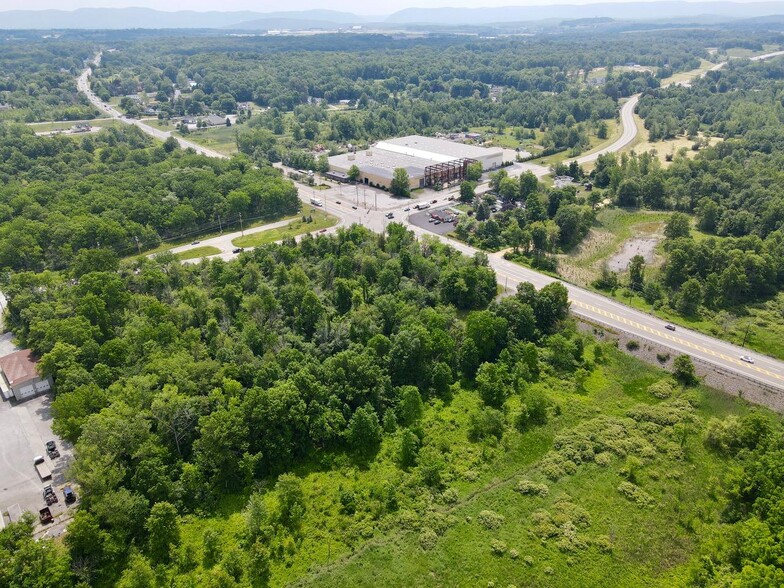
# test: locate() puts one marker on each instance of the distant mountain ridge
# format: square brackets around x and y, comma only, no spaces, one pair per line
[148,18]
[619,10]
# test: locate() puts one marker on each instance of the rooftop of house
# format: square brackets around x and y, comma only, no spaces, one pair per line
[19,367]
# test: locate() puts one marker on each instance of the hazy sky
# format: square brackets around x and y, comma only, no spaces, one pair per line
[356,6]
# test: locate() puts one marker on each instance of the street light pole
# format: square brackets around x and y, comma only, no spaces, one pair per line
[242,229]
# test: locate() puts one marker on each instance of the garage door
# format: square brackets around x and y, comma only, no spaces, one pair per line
[42,386]
[25,392]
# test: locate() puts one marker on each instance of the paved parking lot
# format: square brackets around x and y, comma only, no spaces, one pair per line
[24,429]
[421,219]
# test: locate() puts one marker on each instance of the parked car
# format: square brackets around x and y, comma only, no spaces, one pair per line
[406,209]
[70,496]
[323,231]
[195,242]
[389,215]
[437,222]
[45,515]
[238,250]
[51,450]
[669,327]
[434,202]
[337,201]
[354,207]
[746,358]
[49,496]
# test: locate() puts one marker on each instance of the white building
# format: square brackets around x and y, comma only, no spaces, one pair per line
[427,160]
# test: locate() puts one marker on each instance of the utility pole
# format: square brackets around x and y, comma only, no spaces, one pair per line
[242,230]
[220,226]
[139,247]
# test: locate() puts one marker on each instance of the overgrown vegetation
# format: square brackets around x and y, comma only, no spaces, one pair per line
[120,191]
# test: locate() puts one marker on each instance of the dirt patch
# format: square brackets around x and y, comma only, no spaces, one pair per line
[645,246]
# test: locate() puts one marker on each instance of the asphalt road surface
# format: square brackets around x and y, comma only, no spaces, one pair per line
[24,429]
[584,303]
[422,220]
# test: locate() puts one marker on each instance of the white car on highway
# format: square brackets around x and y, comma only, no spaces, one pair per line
[747,359]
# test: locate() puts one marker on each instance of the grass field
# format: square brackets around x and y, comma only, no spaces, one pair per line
[684,76]
[222,139]
[104,123]
[614,132]
[612,227]
[321,220]
[641,144]
[198,252]
[480,531]
[741,52]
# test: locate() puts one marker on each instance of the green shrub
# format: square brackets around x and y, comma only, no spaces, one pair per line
[527,487]
[498,547]
[635,494]
[490,519]
[428,539]
[662,389]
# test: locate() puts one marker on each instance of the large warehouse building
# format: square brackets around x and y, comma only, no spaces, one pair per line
[428,161]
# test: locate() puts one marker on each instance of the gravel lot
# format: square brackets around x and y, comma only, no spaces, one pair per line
[24,429]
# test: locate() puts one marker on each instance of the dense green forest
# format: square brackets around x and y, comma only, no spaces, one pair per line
[364,409]
[285,72]
[731,188]
[119,190]
[237,424]
[390,86]
[37,79]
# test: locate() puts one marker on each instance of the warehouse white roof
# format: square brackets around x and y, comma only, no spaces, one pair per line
[414,153]
[436,150]
[381,162]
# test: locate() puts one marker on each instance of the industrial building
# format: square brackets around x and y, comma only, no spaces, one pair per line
[19,377]
[428,161]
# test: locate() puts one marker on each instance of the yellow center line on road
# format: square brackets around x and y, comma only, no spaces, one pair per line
[675,339]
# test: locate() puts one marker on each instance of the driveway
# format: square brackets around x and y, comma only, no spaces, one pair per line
[24,429]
